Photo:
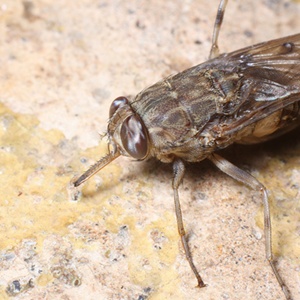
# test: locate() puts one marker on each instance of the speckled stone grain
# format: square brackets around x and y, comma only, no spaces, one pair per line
[62,63]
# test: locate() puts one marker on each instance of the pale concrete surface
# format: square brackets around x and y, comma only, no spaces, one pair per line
[62,63]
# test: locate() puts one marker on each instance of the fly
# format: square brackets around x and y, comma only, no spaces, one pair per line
[246,96]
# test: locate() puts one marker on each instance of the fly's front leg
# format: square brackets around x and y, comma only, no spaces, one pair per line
[178,169]
[247,179]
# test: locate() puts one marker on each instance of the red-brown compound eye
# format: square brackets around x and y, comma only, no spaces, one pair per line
[117,103]
[134,137]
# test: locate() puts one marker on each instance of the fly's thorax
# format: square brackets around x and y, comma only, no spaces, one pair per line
[176,112]
[126,131]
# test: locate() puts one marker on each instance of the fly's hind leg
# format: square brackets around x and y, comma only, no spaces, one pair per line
[247,179]
[214,51]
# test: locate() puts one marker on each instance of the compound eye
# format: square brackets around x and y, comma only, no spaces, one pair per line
[134,137]
[117,103]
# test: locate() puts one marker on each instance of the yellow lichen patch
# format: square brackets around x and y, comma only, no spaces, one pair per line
[281,180]
[34,177]
[35,171]
[45,279]
[154,250]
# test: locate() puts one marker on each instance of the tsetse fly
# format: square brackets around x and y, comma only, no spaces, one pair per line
[246,96]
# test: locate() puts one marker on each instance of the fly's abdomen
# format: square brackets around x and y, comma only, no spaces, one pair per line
[272,126]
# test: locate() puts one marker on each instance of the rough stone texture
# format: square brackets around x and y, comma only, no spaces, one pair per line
[62,63]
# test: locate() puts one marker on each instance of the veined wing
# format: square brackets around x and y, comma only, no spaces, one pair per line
[270,74]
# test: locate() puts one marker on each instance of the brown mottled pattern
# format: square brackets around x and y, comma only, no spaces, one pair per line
[231,98]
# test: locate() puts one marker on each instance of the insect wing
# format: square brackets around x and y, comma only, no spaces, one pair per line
[270,72]
[276,60]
